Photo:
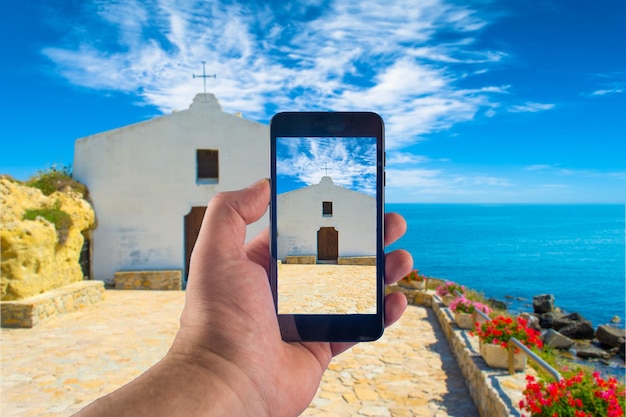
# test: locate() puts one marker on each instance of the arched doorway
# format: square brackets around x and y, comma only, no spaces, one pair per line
[327,244]
[193,221]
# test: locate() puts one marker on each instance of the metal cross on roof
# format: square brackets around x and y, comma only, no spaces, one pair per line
[204,76]
[326,169]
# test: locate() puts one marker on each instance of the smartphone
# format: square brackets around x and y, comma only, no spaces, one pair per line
[327,225]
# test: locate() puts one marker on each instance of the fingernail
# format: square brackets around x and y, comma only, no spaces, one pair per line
[259,183]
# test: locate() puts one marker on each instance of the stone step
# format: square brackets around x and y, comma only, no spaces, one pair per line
[31,311]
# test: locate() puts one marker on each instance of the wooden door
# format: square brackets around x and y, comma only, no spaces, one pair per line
[327,244]
[193,221]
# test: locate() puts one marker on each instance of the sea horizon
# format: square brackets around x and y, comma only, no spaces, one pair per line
[514,251]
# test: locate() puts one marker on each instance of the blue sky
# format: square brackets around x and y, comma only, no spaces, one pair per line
[513,101]
[350,162]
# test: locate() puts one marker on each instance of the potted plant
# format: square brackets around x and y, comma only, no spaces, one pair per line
[580,395]
[448,291]
[463,309]
[413,281]
[494,336]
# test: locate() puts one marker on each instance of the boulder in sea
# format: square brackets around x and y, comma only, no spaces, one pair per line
[556,340]
[566,319]
[578,330]
[616,319]
[543,303]
[546,320]
[610,336]
[592,352]
[497,304]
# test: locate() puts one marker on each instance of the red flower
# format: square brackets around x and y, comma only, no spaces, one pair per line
[580,395]
[501,329]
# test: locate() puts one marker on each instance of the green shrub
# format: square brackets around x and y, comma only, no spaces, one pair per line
[55,179]
[60,219]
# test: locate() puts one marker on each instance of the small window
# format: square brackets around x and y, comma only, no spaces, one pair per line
[327,208]
[208,165]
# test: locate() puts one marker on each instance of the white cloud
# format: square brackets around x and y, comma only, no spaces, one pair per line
[538,167]
[405,158]
[350,163]
[421,184]
[530,107]
[608,91]
[580,173]
[345,55]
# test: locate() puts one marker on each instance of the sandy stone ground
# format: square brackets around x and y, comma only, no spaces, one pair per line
[60,366]
[326,289]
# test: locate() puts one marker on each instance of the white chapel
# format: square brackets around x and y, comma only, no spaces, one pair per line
[327,221]
[150,183]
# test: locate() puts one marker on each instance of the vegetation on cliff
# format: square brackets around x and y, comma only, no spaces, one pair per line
[43,223]
[57,179]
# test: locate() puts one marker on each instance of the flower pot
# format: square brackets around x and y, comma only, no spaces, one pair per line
[413,285]
[447,299]
[498,357]
[464,320]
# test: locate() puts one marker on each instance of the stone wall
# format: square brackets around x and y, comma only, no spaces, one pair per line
[357,260]
[301,259]
[494,391]
[33,258]
[148,280]
[34,310]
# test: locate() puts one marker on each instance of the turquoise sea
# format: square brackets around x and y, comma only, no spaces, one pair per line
[576,252]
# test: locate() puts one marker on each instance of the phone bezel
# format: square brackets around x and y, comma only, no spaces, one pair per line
[331,327]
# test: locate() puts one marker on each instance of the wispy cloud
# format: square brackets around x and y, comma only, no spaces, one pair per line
[341,55]
[350,162]
[583,173]
[530,107]
[608,91]
[423,184]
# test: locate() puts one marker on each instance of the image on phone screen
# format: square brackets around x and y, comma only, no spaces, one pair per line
[326,224]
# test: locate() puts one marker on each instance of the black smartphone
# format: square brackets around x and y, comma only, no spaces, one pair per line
[327,225]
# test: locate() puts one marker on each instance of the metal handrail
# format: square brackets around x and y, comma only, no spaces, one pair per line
[482,315]
[513,344]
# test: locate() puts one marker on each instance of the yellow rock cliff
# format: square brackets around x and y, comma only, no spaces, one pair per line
[33,258]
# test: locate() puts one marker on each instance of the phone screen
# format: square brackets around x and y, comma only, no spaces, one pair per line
[327,232]
[326,225]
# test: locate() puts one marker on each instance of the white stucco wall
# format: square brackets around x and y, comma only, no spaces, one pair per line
[299,217]
[142,181]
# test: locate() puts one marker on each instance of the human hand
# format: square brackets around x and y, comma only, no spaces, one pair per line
[230,313]
[228,357]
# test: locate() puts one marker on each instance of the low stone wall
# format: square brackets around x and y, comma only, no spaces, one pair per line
[301,259]
[494,391]
[357,260]
[29,312]
[170,280]
[342,260]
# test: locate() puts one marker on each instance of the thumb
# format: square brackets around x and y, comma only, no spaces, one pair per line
[223,228]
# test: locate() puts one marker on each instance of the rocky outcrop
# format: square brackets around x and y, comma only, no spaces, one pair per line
[543,303]
[37,256]
[574,326]
[592,352]
[610,336]
[546,320]
[575,333]
[556,340]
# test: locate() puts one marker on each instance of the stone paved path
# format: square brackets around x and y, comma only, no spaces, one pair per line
[331,289]
[62,365]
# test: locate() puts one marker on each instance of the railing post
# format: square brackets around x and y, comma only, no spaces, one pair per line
[511,352]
